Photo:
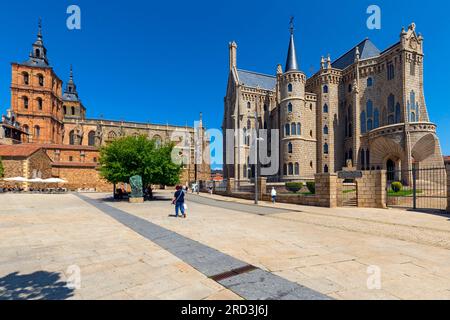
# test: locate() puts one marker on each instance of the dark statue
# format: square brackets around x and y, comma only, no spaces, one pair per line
[136,187]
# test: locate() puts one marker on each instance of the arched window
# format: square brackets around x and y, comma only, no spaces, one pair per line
[265,107]
[290,148]
[91,138]
[367,158]
[391,109]
[38,53]
[325,148]
[289,107]
[299,129]
[73,110]
[325,130]
[290,87]
[398,113]
[350,88]
[65,109]
[291,169]
[370,124]
[26,78]
[249,105]
[297,169]
[325,108]
[376,118]
[369,82]
[414,108]
[40,103]
[369,109]
[325,169]
[72,138]
[350,154]
[285,169]
[325,89]
[363,159]
[41,80]
[37,132]
[363,122]
[293,129]
[287,130]
[25,102]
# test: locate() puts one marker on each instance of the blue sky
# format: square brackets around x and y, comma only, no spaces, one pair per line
[167,61]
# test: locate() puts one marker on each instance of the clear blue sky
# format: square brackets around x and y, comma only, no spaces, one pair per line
[166,61]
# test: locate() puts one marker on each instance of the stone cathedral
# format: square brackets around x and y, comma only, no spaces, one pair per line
[365,110]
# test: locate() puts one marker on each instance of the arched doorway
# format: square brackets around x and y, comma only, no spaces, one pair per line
[390,168]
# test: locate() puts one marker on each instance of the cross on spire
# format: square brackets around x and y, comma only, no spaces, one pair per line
[291,25]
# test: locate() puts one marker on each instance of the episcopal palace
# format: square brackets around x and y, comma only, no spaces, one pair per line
[364,110]
[45,132]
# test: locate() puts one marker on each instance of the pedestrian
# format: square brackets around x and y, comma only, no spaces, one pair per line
[274,195]
[178,201]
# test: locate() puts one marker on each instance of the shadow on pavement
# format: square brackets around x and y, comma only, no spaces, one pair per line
[39,285]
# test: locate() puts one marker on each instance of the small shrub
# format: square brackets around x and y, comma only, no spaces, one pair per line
[397,186]
[294,186]
[311,187]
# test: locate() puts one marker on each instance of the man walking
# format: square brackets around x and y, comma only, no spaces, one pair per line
[274,195]
[178,201]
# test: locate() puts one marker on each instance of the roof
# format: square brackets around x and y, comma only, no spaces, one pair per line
[257,80]
[75,164]
[18,150]
[447,159]
[67,147]
[70,97]
[291,61]
[366,50]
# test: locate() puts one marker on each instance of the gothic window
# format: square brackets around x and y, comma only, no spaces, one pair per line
[413,68]
[325,148]
[325,169]
[325,108]
[350,154]
[290,148]
[285,170]
[287,130]
[370,124]
[40,103]
[290,108]
[413,108]
[91,138]
[369,82]
[297,169]
[398,113]
[65,109]
[26,78]
[290,87]
[376,118]
[391,109]
[299,129]
[249,105]
[38,53]
[350,130]
[325,130]
[293,129]
[363,159]
[367,158]
[73,111]
[265,107]
[350,88]
[325,89]
[25,102]
[291,169]
[363,122]
[41,80]
[390,71]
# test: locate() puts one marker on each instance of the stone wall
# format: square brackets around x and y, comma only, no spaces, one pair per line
[372,189]
[39,162]
[448,187]
[13,167]
[326,190]
[84,178]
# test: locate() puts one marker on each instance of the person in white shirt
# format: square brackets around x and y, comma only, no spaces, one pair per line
[274,195]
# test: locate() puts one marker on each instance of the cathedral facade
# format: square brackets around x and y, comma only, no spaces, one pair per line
[365,110]
[51,115]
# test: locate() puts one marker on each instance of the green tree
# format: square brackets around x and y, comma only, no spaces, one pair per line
[2,170]
[130,156]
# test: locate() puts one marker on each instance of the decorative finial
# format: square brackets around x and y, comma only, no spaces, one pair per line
[291,25]
[322,63]
[40,28]
[71,72]
[357,53]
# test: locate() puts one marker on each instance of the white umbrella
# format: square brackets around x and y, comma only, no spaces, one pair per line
[36,180]
[16,179]
[55,180]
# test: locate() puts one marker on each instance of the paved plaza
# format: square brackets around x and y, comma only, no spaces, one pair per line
[85,246]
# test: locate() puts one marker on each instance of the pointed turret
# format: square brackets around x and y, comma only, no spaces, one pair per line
[38,55]
[291,62]
[70,93]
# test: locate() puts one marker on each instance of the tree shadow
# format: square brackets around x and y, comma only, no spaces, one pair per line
[40,285]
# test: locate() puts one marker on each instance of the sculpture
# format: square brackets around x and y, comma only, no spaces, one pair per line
[136,187]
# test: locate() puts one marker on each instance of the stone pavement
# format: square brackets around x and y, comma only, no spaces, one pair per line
[328,251]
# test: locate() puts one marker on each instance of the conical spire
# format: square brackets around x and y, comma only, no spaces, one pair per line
[291,62]
[38,55]
[70,93]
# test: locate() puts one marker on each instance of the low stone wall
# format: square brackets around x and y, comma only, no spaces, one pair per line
[448,187]
[372,189]
[310,200]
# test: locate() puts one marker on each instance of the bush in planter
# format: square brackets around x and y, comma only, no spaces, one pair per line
[311,187]
[396,186]
[294,186]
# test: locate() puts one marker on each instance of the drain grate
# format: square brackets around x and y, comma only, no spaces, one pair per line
[233,273]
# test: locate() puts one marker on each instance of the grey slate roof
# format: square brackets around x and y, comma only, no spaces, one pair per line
[366,49]
[291,61]
[257,80]
[70,97]
[32,62]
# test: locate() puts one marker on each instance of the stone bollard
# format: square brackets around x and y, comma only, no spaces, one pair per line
[326,190]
